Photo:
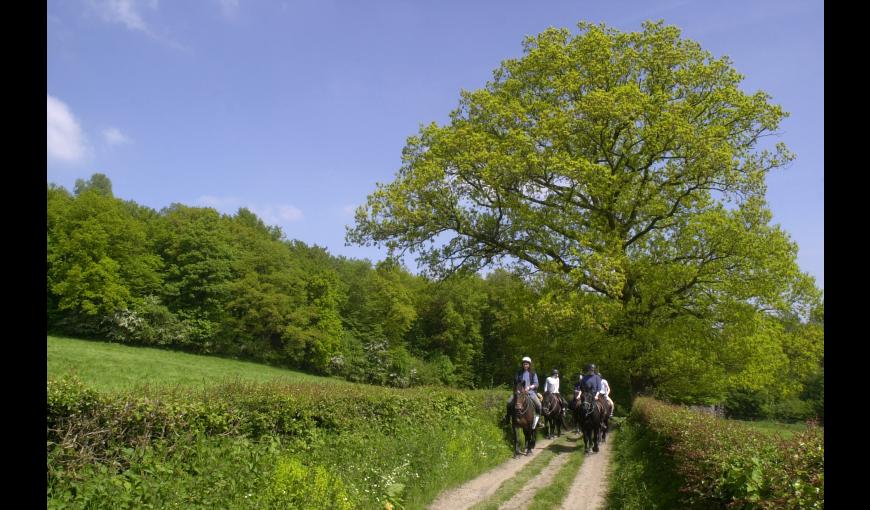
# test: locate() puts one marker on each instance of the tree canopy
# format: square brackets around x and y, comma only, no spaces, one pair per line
[627,167]
[615,184]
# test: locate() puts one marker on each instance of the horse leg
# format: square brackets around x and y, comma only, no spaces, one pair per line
[516,442]
[528,436]
[597,433]
[533,433]
[587,439]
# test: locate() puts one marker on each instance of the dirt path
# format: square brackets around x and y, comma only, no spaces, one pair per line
[545,477]
[586,493]
[590,487]
[482,487]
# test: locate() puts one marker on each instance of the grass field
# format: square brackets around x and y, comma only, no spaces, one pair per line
[110,367]
[785,430]
[284,456]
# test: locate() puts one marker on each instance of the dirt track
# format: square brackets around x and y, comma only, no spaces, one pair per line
[482,487]
[590,485]
[587,492]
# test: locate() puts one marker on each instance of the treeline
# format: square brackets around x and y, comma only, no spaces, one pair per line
[194,279]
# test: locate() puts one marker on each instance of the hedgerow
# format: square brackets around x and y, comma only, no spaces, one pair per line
[358,446]
[728,464]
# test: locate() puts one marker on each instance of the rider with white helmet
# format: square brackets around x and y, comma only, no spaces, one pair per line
[530,383]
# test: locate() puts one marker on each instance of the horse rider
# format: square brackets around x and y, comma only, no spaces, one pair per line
[591,382]
[530,383]
[551,385]
[605,390]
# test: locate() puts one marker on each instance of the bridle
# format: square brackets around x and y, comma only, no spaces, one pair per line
[520,409]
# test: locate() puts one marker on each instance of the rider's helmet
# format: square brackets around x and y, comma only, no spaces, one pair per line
[555,371]
[591,368]
[526,358]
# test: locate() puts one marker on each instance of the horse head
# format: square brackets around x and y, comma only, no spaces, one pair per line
[521,399]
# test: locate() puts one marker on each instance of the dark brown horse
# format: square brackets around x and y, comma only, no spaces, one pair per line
[523,416]
[552,411]
[590,413]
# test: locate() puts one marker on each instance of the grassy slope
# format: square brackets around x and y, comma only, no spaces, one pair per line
[108,367]
[237,470]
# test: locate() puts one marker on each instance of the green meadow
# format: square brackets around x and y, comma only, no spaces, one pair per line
[108,366]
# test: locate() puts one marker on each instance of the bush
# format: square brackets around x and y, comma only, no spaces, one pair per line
[791,410]
[746,404]
[147,322]
[367,444]
[728,464]
[296,485]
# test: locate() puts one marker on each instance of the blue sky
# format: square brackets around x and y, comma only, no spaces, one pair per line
[295,109]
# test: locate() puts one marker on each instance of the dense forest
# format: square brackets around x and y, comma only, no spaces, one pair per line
[193,279]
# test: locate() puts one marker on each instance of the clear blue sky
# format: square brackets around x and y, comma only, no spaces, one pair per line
[297,108]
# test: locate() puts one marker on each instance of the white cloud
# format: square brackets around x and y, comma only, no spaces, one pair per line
[65,140]
[270,214]
[128,13]
[229,8]
[277,215]
[114,136]
[289,213]
[125,12]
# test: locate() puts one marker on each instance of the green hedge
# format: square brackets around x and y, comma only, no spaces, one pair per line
[728,464]
[359,445]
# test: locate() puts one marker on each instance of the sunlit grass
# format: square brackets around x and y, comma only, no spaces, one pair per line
[110,367]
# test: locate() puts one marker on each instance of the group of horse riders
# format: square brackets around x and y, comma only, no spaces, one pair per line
[590,382]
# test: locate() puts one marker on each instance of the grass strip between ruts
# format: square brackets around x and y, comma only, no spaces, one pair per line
[511,486]
[552,495]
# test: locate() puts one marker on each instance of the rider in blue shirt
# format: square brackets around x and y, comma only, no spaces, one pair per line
[591,381]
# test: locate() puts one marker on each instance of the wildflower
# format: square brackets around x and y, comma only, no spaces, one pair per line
[388,506]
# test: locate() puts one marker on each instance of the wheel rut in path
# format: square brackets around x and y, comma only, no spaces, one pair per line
[485,485]
[522,498]
[590,486]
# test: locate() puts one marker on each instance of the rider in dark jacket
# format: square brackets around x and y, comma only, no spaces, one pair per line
[591,381]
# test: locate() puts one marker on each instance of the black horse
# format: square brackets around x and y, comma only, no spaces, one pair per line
[523,416]
[590,414]
[552,411]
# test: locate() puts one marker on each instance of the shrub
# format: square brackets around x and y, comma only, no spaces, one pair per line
[726,463]
[302,487]
[149,322]
[791,410]
[371,444]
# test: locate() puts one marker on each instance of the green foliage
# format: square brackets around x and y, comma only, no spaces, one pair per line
[726,463]
[198,473]
[305,487]
[258,445]
[622,174]
[642,476]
